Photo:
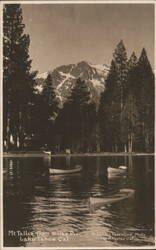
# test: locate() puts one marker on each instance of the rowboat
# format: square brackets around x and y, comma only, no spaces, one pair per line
[121,195]
[47,152]
[116,170]
[77,168]
[122,167]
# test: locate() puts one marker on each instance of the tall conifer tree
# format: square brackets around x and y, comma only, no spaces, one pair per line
[146,101]
[120,60]
[109,112]
[130,112]
[50,109]
[17,79]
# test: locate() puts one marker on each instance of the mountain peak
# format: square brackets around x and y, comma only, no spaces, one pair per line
[65,77]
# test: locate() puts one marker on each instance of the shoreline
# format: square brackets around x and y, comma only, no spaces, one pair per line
[41,154]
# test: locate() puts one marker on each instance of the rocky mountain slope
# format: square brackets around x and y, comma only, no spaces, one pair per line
[65,77]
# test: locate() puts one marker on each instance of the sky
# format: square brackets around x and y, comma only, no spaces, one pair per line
[70,33]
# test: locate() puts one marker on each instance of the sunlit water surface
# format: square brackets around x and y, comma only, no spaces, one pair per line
[48,211]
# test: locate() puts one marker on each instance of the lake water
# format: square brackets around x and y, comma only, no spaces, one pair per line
[42,210]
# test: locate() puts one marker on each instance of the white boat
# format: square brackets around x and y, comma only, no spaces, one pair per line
[47,152]
[116,170]
[77,168]
[121,195]
[123,167]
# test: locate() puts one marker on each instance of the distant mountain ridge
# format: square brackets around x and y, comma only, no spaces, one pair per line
[65,76]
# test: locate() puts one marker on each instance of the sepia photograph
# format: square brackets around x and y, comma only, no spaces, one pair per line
[78,111]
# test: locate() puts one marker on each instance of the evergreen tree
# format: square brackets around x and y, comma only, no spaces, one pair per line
[109,112]
[120,60]
[132,61]
[92,129]
[49,97]
[130,112]
[17,79]
[146,101]
[78,101]
[50,109]
[76,117]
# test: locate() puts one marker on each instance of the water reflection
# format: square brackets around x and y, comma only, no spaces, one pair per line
[36,201]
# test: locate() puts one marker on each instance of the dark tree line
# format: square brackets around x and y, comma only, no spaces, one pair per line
[126,111]
[123,121]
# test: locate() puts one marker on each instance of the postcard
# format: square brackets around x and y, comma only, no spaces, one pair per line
[78,124]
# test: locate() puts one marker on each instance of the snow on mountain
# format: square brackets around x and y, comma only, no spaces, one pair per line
[100,67]
[96,82]
[39,88]
[65,76]
[43,75]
